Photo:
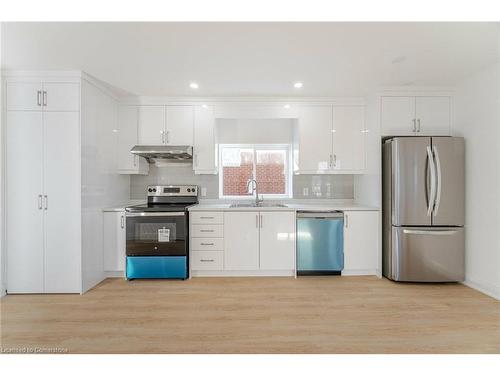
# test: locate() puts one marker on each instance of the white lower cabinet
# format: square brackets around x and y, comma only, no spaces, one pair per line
[241,241]
[114,241]
[277,240]
[361,243]
[206,241]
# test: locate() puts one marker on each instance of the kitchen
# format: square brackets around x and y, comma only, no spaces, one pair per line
[249,198]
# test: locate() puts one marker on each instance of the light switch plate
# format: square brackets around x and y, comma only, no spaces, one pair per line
[203,191]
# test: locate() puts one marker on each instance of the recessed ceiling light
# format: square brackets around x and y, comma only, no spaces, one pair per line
[193,85]
[298,85]
[286,106]
[204,106]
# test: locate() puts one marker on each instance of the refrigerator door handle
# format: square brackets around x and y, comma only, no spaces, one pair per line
[430,232]
[432,196]
[438,182]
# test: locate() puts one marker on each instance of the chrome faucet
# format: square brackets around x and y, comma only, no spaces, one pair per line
[255,188]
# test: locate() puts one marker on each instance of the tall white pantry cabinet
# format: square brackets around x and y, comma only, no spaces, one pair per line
[43,187]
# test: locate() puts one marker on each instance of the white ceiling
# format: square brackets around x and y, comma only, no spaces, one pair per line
[331,59]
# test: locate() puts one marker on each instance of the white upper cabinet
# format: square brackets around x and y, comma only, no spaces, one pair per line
[398,115]
[61,97]
[277,240]
[410,115]
[128,122]
[24,96]
[433,115]
[152,125]
[37,96]
[315,138]
[348,133]
[331,139]
[204,157]
[180,124]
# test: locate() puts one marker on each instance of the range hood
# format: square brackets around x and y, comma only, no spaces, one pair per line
[165,154]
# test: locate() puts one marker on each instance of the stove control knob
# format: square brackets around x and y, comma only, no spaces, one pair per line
[150,190]
[154,190]
[189,190]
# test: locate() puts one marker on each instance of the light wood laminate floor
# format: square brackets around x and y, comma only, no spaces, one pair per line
[256,315]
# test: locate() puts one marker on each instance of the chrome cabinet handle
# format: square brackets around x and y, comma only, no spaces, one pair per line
[168,136]
[418,126]
[206,260]
[331,160]
[162,136]
[46,202]
[39,201]
[207,244]
[261,221]
[206,217]
[256,221]
[39,98]
[414,125]
[335,160]
[45,98]
[196,160]
[122,221]
[346,221]
[135,161]
[206,230]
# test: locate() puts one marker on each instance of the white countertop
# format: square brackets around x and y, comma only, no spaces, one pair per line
[291,205]
[121,207]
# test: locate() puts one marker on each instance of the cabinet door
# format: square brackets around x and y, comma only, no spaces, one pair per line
[151,125]
[24,218]
[204,140]
[61,97]
[62,203]
[349,138]
[315,138]
[277,240]
[24,96]
[361,242]
[241,241]
[128,120]
[180,119]
[397,115]
[433,115]
[114,241]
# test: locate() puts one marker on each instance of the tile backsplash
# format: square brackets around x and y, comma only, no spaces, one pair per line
[304,186]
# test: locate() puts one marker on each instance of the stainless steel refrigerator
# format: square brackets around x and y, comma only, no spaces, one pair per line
[423,209]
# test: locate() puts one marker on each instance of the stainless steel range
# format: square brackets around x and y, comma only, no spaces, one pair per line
[157,233]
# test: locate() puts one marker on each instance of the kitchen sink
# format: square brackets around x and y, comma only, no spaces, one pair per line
[260,204]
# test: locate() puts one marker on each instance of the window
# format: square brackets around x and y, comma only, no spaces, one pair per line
[267,164]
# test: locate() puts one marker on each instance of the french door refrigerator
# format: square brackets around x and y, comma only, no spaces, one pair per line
[423,209]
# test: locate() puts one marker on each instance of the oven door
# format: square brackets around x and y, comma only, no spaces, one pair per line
[156,233]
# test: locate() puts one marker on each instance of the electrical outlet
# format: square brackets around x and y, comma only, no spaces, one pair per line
[305,192]
[203,191]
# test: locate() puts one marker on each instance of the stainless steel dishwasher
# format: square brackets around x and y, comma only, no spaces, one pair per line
[320,243]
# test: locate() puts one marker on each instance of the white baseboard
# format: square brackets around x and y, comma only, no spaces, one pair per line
[111,274]
[241,273]
[360,273]
[488,289]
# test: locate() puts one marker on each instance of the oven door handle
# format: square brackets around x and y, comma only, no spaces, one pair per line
[144,214]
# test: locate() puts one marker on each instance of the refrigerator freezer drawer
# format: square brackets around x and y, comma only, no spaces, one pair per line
[424,254]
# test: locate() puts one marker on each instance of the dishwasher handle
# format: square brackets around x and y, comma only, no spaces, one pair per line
[320,215]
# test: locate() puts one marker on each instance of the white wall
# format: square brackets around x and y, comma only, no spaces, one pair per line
[477,120]
[101,185]
[3,283]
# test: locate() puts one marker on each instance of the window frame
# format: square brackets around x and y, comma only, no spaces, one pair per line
[259,147]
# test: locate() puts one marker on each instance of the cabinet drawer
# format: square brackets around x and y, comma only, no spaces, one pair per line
[207,231]
[207,244]
[207,217]
[207,260]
